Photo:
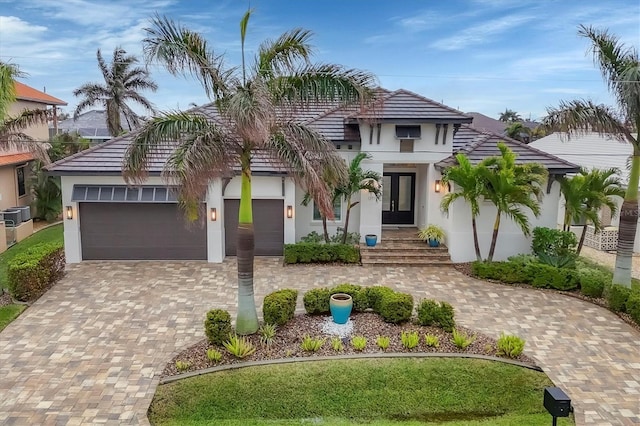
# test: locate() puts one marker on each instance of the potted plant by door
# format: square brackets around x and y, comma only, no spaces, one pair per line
[340,306]
[432,234]
[371,240]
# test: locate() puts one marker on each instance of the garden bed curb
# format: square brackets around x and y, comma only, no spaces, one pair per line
[171,379]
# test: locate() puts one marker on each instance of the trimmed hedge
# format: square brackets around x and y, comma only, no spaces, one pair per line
[617,296]
[430,312]
[217,326]
[279,307]
[537,274]
[316,301]
[633,305]
[357,293]
[396,307]
[547,276]
[32,272]
[375,295]
[507,272]
[321,253]
[593,281]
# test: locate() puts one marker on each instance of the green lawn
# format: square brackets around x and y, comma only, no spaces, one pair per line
[51,234]
[376,392]
[8,313]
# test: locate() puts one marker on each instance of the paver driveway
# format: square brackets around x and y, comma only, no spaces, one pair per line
[90,350]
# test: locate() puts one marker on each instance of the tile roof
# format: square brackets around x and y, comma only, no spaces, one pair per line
[10,159]
[28,93]
[405,106]
[485,145]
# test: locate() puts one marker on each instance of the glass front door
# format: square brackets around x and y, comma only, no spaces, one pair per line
[398,201]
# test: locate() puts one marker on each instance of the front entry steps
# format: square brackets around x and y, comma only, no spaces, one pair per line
[404,249]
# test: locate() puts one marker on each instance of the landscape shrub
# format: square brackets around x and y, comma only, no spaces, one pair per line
[617,296]
[316,301]
[217,326]
[430,312]
[553,242]
[375,295]
[32,272]
[396,307]
[279,307]
[357,293]
[592,281]
[321,253]
[507,272]
[547,276]
[633,305]
[510,346]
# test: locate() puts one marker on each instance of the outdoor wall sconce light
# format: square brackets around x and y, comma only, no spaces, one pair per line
[438,185]
[214,214]
[557,403]
[289,212]
[69,212]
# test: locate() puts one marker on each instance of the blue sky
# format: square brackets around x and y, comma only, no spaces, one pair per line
[475,55]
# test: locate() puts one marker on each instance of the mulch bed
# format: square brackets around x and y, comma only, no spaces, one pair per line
[289,337]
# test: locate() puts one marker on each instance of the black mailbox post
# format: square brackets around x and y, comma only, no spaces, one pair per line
[557,403]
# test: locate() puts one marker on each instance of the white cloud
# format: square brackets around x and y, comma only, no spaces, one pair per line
[478,34]
[14,29]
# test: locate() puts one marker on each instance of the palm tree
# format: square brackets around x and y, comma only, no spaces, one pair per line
[573,190]
[356,181]
[602,186]
[518,131]
[469,188]
[510,187]
[122,83]
[252,118]
[620,68]
[509,116]
[12,136]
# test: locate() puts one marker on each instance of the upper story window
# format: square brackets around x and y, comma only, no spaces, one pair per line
[407,132]
[22,188]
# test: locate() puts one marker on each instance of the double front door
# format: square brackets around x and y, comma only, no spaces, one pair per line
[398,201]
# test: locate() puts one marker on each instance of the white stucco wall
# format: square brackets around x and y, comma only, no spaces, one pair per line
[263,187]
[510,241]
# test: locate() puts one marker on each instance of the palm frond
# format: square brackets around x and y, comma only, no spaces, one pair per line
[184,51]
[579,117]
[252,112]
[281,56]
[165,131]
[26,118]
[8,75]
[311,160]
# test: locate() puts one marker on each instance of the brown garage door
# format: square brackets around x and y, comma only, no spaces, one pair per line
[268,225]
[139,231]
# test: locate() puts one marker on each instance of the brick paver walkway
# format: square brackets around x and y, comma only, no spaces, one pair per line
[90,350]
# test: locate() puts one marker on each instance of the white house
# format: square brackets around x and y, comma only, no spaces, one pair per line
[593,151]
[410,139]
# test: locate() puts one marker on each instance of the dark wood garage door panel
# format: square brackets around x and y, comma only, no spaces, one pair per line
[268,225]
[133,231]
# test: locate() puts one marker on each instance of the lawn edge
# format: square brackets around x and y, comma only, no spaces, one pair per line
[171,379]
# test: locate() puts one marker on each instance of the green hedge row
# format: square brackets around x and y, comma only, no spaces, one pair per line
[392,306]
[321,253]
[32,272]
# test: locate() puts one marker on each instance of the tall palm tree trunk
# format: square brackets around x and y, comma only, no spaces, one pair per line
[584,234]
[346,221]
[628,226]
[494,238]
[476,243]
[247,318]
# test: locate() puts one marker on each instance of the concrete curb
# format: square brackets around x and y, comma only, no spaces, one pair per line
[227,367]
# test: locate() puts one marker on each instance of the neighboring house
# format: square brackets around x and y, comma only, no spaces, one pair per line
[593,151]
[90,125]
[14,166]
[410,139]
[485,123]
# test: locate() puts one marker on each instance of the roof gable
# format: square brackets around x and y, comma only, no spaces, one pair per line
[28,93]
[485,145]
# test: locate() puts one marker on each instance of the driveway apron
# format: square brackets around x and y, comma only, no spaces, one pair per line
[90,351]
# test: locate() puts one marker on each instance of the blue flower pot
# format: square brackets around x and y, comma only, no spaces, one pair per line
[433,243]
[371,240]
[340,305]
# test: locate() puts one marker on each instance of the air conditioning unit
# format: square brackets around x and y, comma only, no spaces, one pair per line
[12,217]
[24,210]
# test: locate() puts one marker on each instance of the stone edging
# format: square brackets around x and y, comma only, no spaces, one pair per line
[278,361]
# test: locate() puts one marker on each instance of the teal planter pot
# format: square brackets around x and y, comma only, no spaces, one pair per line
[371,240]
[340,305]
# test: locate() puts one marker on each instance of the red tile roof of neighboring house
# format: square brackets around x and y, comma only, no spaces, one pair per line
[23,157]
[27,93]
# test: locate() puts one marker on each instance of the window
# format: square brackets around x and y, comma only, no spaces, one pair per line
[406,145]
[337,210]
[407,132]
[22,189]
